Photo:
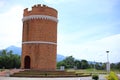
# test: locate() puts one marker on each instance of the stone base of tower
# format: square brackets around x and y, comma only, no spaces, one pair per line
[47,74]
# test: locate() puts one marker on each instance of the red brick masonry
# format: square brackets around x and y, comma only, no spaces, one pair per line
[39,42]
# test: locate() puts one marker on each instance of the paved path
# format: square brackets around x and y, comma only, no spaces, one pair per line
[12,78]
[72,78]
[8,72]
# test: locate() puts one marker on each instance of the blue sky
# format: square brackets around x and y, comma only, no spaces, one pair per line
[86,28]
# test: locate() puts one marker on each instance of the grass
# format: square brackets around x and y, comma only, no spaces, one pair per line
[88,71]
[91,71]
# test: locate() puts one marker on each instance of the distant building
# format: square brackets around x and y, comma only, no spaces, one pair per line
[39,40]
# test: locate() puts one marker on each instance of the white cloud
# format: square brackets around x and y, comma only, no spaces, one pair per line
[99,47]
[2,3]
[71,43]
[58,1]
[82,43]
[11,27]
[51,1]
[94,50]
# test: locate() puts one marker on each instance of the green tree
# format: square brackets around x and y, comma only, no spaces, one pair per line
[84,64]
[118,65]
[61,63]
[103,66]
[113,66]
[9,60]
[4,52]
[98,66]
[69,61]
[77,63]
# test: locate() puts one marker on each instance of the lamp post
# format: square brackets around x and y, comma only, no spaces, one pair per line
[108,63]
[94,67]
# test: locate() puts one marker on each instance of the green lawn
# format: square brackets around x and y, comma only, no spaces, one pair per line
[91,71]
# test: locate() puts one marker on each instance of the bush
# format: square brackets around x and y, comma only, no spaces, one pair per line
[95,77]
[112,76]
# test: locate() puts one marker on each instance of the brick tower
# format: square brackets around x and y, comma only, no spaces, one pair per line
[39,40]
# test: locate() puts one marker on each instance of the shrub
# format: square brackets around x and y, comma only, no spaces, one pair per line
[95,77]
[112,76]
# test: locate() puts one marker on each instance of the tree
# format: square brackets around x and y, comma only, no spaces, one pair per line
[98,66]
[77,64]
[103,66]
[61,63]
[84,64]
[69,61]
[113,66]
[9,60]
[4,52]
[118,65]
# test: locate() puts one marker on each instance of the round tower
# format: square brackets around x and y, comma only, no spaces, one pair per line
[39,40]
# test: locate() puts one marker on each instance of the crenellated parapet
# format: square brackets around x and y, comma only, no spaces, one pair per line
[40,9]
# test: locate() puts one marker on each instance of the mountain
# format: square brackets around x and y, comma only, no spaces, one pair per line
[60,57]
[18,50]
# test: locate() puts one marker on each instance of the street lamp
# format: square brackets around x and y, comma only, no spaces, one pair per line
[108,63]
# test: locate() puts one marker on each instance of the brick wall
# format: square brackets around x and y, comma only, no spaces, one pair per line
[36,35]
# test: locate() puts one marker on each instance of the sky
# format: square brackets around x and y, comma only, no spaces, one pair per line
[86,28]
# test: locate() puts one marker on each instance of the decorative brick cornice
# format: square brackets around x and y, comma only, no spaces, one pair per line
[39,17]
[38,42]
